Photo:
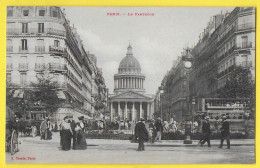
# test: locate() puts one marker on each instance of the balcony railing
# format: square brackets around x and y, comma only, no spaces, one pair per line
[9,48]
[39,66]
[9,66]
[52,31]
[226,71]
[40,49]
[246,64]
[57,50]
[231,31]
[243,45]
[23,49]
[246,26]
[57,67]
[23,66]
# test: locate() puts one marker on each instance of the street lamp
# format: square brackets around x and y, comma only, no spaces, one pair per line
[187,61]
[161,93]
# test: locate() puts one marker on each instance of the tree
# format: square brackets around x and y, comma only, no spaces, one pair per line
[44,92]
[238,85]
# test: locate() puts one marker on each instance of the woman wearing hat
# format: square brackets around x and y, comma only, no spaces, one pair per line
[81,143]
[66,134]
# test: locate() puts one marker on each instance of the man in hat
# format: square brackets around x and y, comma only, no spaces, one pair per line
[206,132]
[225,134]
[141,134]
[74,136]
[159,129]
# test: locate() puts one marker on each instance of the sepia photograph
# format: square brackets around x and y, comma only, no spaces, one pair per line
[130,85]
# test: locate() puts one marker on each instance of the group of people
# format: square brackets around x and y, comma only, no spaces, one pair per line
[225,133]
[45,129]
[154,130]
[75,131]
[148,132]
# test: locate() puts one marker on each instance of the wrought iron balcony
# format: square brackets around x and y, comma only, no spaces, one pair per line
[243,45]
[31,31]
[57,67]
[246,26]
[39,66]
[40,49]
[23,49]
[247,64]
[23,66]
[57,50]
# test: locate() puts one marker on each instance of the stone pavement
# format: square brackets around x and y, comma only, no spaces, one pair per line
[106,151]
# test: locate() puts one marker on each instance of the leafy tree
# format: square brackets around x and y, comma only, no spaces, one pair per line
[44,92]
[239,85]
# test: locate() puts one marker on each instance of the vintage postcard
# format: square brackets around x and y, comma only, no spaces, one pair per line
[130,85]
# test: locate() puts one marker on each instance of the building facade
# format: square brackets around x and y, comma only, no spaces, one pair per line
[41,40]
[129,101]
[227,41]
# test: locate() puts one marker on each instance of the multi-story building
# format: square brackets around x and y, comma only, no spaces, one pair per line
[236,43]
[40,39]
[172,101]
[227,41]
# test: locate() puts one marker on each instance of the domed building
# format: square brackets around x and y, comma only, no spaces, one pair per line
[129,101]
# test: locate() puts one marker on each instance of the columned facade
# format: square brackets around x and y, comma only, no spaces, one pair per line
[132,110]
[129,101]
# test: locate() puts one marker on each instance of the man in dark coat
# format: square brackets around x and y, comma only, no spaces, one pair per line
[206,132]
[225,134]
[159,129]
[141,134]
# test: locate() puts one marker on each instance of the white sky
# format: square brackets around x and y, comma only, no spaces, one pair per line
[156,40]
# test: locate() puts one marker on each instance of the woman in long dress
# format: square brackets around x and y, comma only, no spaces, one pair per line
[66,134]
[80,134]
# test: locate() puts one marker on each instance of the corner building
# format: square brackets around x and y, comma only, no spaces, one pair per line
[40,39]
[129,101]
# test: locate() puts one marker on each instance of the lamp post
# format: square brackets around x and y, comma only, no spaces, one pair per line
[187,61]
[161,104]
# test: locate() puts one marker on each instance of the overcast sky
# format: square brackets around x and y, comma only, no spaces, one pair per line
[156,40]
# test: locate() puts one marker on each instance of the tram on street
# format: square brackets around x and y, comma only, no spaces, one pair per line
[236,110]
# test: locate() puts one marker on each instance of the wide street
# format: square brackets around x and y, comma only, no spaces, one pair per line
[102,151]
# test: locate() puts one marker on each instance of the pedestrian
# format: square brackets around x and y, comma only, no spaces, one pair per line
[141,134]
[34,130]
[81,143]
[74,136]
[225,133]
[159,129]
[66,134]
[152,130]
[44,129]
[206,132]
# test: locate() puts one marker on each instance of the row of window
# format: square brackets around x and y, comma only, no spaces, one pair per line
[23,77]
[25,27]
[226,64]
[41,12]
[39,42]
